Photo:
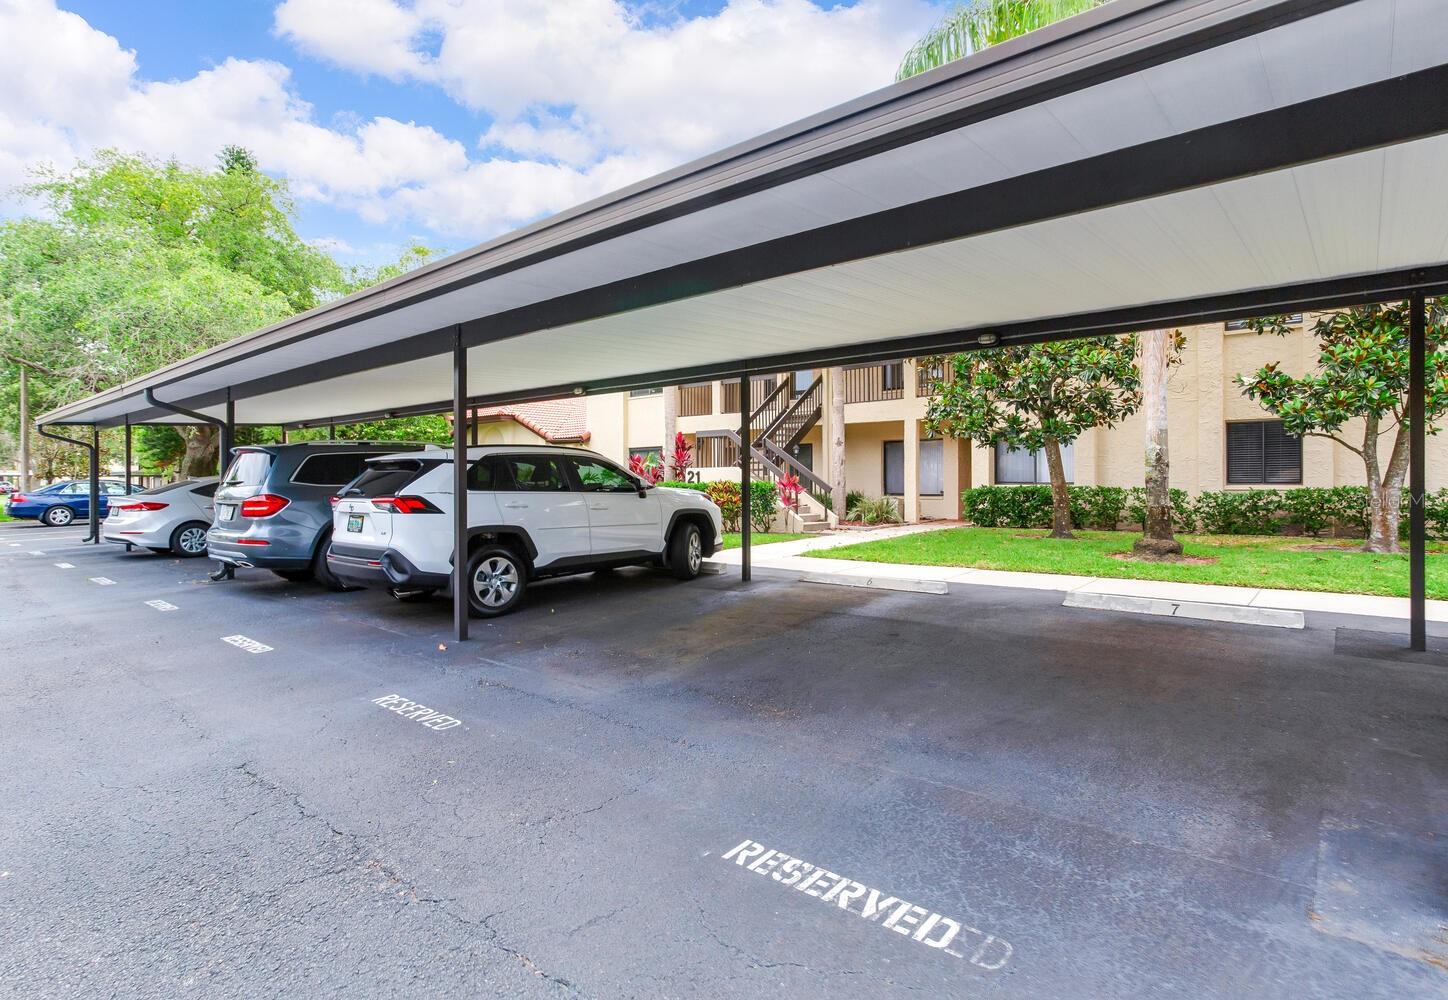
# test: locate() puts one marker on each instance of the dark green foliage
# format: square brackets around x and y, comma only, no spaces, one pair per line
[1239,512]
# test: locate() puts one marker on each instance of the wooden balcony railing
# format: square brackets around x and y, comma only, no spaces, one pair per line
[696,400]
[928,375]
[872,383]
[758,389]
[716,450]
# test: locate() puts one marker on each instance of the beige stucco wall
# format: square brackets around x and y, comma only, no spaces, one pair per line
[506,432]
[1202,398]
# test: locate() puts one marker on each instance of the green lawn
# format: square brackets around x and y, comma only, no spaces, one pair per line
[731,538]
[1236,560]
[4,516]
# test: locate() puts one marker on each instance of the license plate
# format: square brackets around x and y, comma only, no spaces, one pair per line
[354,522]
[227,510]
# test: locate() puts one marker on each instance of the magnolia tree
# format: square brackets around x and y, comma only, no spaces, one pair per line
[1361,374]
[1037,397]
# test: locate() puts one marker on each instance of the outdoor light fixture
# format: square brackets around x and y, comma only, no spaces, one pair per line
[987,339]
[578,391]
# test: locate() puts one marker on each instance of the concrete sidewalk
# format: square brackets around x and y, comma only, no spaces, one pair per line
[794,557]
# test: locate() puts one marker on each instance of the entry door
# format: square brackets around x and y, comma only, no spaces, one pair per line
[619,520]
[542,501]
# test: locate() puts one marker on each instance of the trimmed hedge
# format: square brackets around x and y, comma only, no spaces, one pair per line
[764,501]
[1310,509]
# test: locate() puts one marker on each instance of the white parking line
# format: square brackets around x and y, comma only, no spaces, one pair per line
[985,951]
[65,565]
[250,645]
[37,552]
[161,605]
[103,581]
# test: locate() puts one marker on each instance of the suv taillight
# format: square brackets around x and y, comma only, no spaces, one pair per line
[406,505]
[263,505]
[142,505]
[333,500]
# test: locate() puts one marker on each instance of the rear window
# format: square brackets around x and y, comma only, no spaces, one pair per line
[248,468]
[387,478]
[332,469]
[168,487]
[209,490]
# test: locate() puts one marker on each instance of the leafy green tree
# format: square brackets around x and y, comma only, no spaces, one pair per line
[140,264]
[1037,397]
[1361,374]
[971,27]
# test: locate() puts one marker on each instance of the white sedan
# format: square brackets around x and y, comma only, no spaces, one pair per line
[171,518]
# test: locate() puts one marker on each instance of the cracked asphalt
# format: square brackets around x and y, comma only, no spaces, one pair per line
[1141,807]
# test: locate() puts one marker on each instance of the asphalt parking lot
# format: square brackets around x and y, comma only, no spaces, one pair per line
[636,787]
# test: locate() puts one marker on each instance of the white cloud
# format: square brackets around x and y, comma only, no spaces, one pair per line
[681,89]
[584,98]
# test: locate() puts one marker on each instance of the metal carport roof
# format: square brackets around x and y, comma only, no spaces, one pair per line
[1150,162]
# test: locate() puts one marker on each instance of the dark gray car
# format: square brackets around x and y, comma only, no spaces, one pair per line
[274,504]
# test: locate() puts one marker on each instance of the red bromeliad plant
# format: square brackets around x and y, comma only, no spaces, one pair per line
[789,490]
[650,470]
[683,457]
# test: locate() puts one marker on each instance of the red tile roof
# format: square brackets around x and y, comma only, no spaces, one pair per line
[554,420]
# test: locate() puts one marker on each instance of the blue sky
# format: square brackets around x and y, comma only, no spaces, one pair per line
[444,121]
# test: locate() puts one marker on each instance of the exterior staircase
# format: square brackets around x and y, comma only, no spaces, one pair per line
[777,424]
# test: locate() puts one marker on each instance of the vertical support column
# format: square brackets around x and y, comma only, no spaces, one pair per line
[460,487]
[128,464]
[912,471]
[95,487]
[745,461]
[332,430]
[228,435]
[1417,476]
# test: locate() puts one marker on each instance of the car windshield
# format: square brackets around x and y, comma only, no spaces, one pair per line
[248,468]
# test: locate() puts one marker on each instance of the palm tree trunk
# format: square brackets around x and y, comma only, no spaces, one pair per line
[836,379]
[671,430]
[1060,493]
[1157,540]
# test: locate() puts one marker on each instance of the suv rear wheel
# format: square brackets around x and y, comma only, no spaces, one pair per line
[322,573]
[686,551]
[496,581]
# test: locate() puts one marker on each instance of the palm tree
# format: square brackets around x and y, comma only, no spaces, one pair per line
[975,26]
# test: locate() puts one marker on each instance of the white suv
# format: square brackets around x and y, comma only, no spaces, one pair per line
[533,511]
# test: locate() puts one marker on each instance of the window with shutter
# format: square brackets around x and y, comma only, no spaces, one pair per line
[1260,451]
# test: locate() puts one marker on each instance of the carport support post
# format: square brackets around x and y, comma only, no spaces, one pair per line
[128,464]
[745,458]
[1417,476]
[228,435]
[95,487]
[460,487]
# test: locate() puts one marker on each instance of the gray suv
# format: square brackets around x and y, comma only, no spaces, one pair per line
[274,505]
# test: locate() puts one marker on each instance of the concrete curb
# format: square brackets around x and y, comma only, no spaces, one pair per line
[878,583]
[1239,614]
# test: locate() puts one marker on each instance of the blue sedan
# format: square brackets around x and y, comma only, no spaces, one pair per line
[61,503]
